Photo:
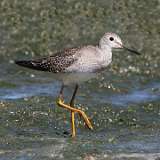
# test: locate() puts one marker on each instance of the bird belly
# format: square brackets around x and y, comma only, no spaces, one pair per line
[87,66]
[74,78]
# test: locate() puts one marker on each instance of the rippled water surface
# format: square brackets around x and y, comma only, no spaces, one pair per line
[123,102]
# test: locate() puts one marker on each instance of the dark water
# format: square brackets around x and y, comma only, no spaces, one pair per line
[123,103]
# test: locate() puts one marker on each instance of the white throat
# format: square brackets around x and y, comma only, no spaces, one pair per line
[106,52]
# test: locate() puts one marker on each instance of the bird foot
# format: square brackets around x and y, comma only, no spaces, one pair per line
[60,102]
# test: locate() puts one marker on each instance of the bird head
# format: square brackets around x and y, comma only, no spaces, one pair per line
[112,40]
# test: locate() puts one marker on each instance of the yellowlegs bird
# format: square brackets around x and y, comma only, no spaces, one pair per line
[74,65]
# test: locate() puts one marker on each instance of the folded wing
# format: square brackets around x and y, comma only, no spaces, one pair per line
[56,63]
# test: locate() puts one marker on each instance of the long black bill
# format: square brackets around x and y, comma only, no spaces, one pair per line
[131,50]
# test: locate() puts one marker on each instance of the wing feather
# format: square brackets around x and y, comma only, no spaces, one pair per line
[55,63]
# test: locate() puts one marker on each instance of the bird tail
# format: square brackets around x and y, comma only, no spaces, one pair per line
[32,64]
[27,64]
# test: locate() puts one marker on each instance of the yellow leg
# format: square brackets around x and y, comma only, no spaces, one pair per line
[73,124]
[73,111]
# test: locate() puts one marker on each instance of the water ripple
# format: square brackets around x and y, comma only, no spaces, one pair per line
[146,94]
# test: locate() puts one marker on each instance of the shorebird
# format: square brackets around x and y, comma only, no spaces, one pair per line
[74,65]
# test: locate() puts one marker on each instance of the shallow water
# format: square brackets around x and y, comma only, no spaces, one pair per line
[123,102]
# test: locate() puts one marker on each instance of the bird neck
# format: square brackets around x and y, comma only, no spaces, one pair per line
[106,50]
[105,54]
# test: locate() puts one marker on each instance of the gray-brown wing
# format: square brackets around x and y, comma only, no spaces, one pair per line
[56,63]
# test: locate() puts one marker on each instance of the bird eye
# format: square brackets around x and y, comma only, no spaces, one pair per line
[111,38]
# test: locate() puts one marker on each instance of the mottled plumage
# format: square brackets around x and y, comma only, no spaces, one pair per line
[55,63]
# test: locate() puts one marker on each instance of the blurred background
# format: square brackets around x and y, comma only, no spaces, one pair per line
[123,103]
